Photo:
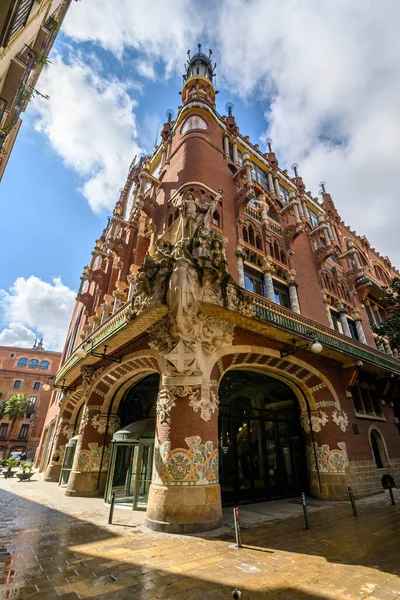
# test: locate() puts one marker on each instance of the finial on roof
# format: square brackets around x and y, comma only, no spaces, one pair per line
[322,186]
[294,167]
[269,144]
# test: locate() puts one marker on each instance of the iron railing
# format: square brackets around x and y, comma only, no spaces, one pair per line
[287,320]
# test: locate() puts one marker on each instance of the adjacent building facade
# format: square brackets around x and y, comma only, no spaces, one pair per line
[28,29]
[221,348]
[24,371]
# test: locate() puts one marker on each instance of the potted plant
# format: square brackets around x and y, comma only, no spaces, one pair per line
[26,467]
[10,463]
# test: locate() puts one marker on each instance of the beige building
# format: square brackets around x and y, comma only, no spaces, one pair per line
[28,29]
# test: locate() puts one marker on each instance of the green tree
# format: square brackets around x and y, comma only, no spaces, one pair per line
[16,408]
[391,327]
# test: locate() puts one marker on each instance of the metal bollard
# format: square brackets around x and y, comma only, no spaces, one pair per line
[237,528]
[353,503]
[304,503]
[391,494]
[236,594]
[111,514]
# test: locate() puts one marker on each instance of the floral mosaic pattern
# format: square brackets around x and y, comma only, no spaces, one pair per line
[89,460]
[317,421]
[340,419]
[329,461]
[197,465]
[207,406]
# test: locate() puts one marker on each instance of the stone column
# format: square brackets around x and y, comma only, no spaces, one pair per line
[248,167]
[131,279]
[268,270]
[185,496]
[226,145]
[270,182]
[235,152]
[277,188]
[107,307]
[163,156]
[343,319]
[241,255]
[359,328]
[296,210]
[292,285]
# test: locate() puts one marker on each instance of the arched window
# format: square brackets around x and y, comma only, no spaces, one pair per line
[22,362]
[380,274]
[193,122]
[272,215]
[44,365]
[33,364]
[378,449]
[252,236]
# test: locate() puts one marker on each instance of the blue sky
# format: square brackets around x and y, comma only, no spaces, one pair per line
[114,73]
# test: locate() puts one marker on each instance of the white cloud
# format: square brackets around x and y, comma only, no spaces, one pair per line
[327,72]
[145,68]
[17,334]
[90,123]
[33,304]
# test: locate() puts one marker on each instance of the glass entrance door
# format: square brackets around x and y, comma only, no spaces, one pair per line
[143,475]
[259,459]
[130,473]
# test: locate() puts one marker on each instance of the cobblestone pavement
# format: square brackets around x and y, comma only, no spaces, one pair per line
[54,547]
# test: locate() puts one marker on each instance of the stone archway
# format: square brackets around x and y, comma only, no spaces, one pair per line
[323,421]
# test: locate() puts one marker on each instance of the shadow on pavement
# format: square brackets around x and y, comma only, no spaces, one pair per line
[45,553]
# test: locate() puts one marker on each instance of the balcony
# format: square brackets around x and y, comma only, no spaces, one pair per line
[295,324]
[14,15]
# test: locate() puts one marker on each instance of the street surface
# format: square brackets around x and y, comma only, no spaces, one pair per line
[52,546]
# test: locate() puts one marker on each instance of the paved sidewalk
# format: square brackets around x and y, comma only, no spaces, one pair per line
[52,546]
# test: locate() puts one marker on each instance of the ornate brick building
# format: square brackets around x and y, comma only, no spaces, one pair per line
[221,346]
[28,29]
[25,371]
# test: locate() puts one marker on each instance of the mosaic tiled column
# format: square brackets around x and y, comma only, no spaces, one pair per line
[241,255]
[360,330]
[185,494]
[292,285]
[343,319]
[268,270]
[63,432]
[89,470]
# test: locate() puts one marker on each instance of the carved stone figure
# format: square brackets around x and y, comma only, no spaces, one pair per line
[182,294]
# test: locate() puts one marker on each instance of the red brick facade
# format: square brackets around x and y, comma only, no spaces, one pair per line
[24,371]
[215,259]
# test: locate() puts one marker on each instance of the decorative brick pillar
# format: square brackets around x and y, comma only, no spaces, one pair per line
[63,433]
[185,495]
[89,471]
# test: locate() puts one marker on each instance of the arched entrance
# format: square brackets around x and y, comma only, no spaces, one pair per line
[132,447]
[261,447]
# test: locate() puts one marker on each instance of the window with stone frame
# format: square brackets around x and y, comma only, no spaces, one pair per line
[281,294]
[284,194]
[253,282]
[22,363]
[260,176]
[378,449]
[3,431]
[24,432]
[252,236]
[366,399]
[17,384]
